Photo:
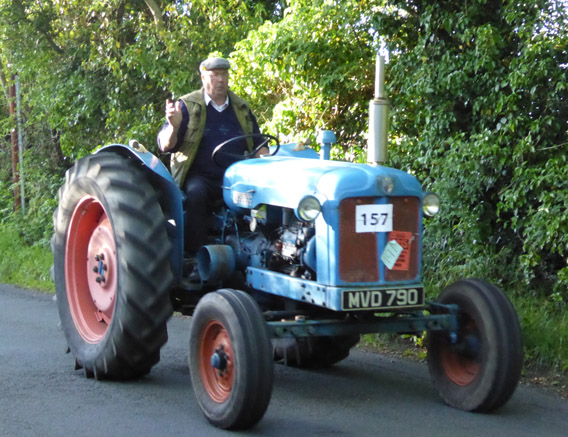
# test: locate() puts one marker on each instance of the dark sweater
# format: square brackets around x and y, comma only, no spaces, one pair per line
[219,127]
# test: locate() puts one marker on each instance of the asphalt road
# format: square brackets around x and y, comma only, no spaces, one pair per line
[366,395]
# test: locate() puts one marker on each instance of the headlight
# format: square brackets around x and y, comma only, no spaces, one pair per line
[308,209]
[430,205]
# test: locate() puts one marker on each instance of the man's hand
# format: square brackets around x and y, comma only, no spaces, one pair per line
[173,113]
[167,138]
[263,151]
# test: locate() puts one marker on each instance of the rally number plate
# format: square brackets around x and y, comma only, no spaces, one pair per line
[373,218]
[354,300]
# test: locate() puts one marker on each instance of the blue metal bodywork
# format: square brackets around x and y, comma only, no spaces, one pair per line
[283,181]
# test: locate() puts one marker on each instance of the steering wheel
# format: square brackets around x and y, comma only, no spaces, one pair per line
[266,139]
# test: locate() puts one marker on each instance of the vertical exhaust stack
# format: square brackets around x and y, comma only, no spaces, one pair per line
[377,145]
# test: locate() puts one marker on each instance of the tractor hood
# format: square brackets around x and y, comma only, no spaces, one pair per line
[284,181]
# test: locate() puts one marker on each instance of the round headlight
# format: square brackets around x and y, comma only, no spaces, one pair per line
[308,209]
[430,205]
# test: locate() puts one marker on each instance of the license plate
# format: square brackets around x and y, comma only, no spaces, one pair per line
[354,300]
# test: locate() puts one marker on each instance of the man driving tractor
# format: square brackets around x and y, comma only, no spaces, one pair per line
[195,125]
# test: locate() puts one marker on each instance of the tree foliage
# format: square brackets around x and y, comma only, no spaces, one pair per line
[311,70]
[101,70]
[478,92]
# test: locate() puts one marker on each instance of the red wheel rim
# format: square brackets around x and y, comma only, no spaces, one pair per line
[461,369]
[90,269]
[217,383]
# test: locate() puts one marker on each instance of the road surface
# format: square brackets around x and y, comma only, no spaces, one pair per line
[366,395]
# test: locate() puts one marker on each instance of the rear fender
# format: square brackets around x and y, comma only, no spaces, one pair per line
[169,196]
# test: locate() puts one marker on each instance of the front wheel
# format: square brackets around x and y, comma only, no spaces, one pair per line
[230,359]
[480,370]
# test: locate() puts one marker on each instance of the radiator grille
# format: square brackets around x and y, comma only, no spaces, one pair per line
[406,230]
[359,252]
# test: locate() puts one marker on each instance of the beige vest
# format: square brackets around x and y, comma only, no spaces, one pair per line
[182,159]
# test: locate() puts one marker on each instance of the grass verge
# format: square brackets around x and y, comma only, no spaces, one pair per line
[24,265]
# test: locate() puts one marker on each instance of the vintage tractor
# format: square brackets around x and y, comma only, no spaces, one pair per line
[304,255]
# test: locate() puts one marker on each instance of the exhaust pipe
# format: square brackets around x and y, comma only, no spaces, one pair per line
[377,145]
[216,262]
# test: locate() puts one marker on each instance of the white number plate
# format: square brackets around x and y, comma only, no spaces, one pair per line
[353,300]
[373,218]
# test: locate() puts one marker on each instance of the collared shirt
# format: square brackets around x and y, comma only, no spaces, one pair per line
[219,108]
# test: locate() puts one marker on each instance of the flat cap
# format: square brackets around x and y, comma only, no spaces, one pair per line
[212,63]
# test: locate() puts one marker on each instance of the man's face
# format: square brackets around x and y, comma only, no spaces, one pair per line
[216,83]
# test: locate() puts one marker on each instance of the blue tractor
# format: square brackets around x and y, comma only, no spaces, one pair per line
[303,256]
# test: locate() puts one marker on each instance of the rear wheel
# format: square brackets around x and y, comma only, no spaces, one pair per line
[111,267]
[481,370]
[230,359]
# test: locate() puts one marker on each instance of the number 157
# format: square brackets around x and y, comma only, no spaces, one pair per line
[375,219]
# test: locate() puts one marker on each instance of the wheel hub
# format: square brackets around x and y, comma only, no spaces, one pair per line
[461,361]
[101,258]
[100,268]
[216,361]
[469,347]
[219,360]
[90,269]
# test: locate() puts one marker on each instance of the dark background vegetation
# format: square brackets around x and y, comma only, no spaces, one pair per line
[479,93]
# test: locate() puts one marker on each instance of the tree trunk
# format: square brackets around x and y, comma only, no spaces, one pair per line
[15,154]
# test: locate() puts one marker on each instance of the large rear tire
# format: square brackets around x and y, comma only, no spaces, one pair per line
[481,371]
[111,267]
[230,359]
